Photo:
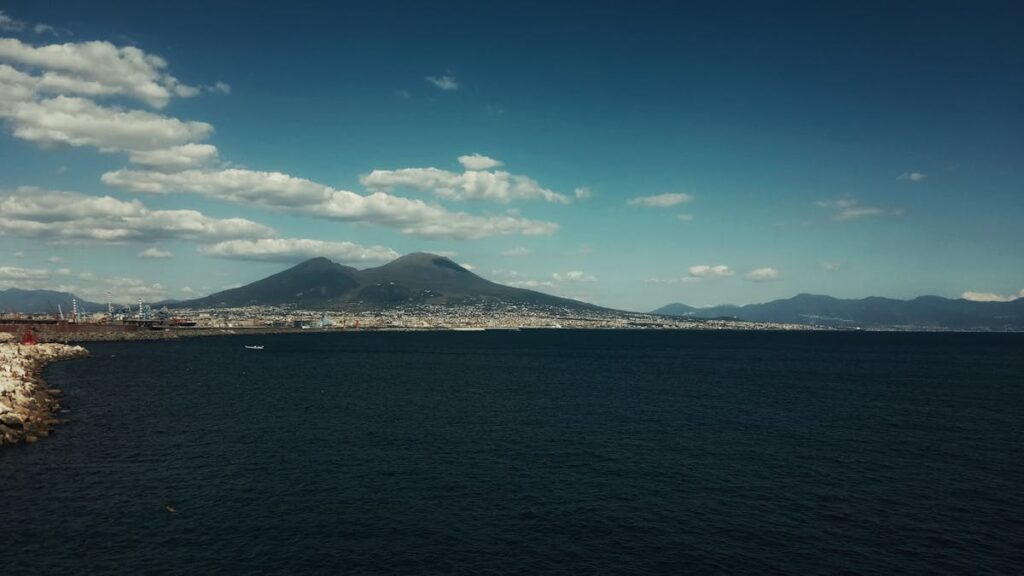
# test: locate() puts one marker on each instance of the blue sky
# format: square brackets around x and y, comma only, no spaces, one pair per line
[623,154]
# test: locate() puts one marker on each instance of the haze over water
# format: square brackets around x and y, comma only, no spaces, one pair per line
[556,452]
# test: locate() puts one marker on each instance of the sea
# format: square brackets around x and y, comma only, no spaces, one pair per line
[530,452]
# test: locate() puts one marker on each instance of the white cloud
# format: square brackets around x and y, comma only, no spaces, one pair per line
[830,266]
[298,249]
[766,274]
[473,184]
[583,193]
[123,291]
[284,193]
[48,95]
[685,217]
[514,252]
[79,122]
[68,216]
[660,200]
[573,276]
[99,68]
[478,162]
[155,253]
[446,83]
[532,284]
[912,176]
[19,254]
[176,157]
[12,273]
[990,296]
[847,208]
[706,271]
[54,259]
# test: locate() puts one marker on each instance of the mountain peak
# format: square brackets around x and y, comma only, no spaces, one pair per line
[423,259]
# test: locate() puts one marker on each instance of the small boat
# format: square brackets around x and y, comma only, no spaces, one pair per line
[254,347]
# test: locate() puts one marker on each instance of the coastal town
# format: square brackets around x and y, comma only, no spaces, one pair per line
[147,323]
[29,409]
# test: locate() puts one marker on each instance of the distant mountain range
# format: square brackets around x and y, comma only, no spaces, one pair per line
[414,278]
[52,302]
[423,278]
[43,302]
[922,312]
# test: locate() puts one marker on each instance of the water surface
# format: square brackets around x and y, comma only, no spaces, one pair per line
[549,452]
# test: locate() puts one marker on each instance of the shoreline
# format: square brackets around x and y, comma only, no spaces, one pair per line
[28,406]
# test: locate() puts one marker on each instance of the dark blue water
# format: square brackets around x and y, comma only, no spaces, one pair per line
[551,452]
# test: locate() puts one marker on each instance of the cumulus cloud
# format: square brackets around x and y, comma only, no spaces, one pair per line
[557,280]
[473,184]
[291,250]
[478,162]
[513,252]
[175,158]
[573,276]
[660,200]
[49,95]
[990,296]
[531,284]
[830,266]
[446,83]
[847,208]
[583,193]
[77,121]
[12,273]
[99,69]
[706,271]
[155,253]
[284,193]
[912,176]
[70,216]
[123,290]
[766,274]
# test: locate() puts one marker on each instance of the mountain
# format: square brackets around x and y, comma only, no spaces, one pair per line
[676,309]
[414,278]
[874,312]
[43,302]
[310,283]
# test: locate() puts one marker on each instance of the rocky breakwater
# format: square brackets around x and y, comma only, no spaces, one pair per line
[28,406]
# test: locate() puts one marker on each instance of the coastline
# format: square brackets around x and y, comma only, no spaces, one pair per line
[28,406]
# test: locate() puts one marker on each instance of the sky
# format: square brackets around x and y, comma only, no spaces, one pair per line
[624,154]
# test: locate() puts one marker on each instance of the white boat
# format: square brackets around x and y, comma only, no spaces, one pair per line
[254,347]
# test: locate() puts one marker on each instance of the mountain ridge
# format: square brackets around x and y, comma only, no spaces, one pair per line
[926,311]
[418,277]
